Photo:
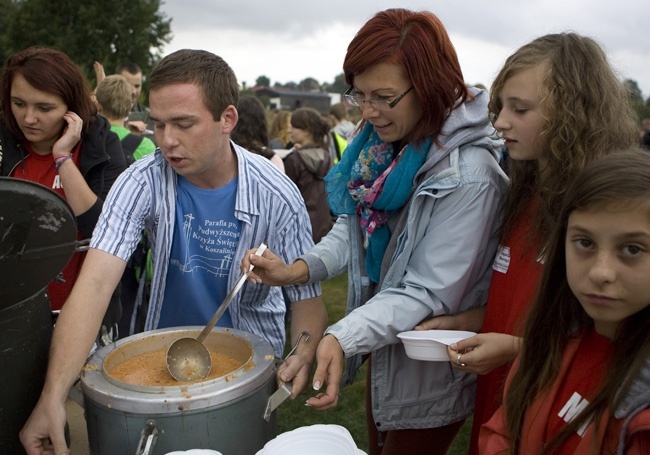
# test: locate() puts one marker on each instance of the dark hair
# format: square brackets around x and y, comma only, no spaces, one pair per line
[586,114]
[251,131]
[51,71]
[419,43]
[311,120]
[129,67]
[618,180]
[209,72]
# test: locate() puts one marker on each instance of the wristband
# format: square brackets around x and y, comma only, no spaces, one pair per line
[59,160]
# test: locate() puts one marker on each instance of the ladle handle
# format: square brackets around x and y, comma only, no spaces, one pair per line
[226,302]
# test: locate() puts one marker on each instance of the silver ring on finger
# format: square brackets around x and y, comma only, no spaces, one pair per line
[458,362]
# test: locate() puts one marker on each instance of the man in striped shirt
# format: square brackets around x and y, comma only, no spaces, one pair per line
[203,202]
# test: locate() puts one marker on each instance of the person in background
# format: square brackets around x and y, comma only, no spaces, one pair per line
[138,120]
[418,196]
[198,189]
[279,131]
[307,165]
[558,104]
[340,131]
[113,97]
[589,393]
[114,101]
[50,134]
[645,133]
[251,131]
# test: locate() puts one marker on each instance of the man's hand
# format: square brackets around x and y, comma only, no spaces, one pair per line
[100,74]
[43,432]
[136,127]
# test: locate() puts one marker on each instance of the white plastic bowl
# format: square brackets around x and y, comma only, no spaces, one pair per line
[431,344]
[313,440]
[195,452]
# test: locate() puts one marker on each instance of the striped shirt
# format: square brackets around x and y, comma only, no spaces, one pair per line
[267,203]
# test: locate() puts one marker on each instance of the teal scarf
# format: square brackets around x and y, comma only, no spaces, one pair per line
[372,180]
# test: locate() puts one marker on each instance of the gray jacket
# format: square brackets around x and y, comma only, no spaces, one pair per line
[438,262]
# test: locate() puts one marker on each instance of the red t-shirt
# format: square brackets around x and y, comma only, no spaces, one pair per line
[515,277]
[579,386]
[40,169]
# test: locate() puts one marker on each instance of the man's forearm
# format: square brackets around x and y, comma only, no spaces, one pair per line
[308,315]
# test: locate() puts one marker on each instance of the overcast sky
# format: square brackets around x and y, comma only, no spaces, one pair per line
[290,40]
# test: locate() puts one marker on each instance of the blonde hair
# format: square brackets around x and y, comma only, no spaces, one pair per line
[114,95]
[586,113]
[279,127]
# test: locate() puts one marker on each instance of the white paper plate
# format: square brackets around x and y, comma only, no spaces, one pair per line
[431,344]
[313,440]
[195,452]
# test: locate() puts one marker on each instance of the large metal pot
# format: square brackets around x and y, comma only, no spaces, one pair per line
[37,238]
[224,414]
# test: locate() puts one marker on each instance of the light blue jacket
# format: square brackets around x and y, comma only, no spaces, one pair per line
[438,262]
[271,211]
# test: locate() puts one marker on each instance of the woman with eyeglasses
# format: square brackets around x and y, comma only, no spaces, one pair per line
[418,193]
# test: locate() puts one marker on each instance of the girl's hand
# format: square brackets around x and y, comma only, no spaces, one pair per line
[484,352]
[70,137]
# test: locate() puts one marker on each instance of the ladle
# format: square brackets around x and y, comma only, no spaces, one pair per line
[188,359]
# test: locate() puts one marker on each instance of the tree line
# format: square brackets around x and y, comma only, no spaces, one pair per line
[131,30]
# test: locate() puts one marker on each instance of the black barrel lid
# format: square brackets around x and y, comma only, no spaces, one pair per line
[38,234]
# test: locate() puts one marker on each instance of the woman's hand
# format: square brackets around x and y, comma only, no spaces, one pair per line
[329,370]
[70,137]
[272,271]
[484,352]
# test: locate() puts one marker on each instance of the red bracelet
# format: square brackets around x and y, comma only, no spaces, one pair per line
[59,160]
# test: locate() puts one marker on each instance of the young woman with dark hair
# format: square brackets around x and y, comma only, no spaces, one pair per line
[51,134]
[251,131]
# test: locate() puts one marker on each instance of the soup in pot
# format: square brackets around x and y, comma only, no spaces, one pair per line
[150,369]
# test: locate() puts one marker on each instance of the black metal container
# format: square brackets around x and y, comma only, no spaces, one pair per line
[37,238]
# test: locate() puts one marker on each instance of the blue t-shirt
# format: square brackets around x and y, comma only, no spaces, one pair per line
[206,235]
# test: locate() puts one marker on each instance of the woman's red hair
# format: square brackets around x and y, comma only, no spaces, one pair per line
[419,43]
[48,70]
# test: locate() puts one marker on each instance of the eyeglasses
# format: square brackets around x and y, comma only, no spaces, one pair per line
[379,104]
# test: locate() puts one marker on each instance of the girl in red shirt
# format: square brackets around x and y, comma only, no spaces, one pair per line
[581,384]
[50,133]
[558,104]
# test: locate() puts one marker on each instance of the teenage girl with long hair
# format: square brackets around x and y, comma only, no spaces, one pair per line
[581,384]
[559,105]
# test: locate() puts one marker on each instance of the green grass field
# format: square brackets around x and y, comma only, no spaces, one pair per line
[350,411]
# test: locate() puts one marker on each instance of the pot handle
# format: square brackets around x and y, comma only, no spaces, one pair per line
[148,438]
[76,394]
[81,245]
